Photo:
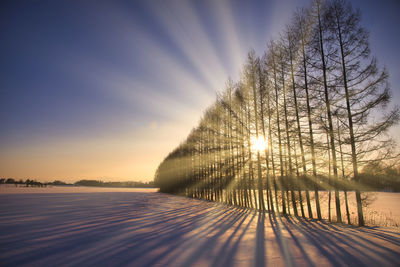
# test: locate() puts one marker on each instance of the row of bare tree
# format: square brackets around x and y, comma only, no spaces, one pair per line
[304,117]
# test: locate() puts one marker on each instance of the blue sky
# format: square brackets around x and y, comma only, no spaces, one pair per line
[105,89]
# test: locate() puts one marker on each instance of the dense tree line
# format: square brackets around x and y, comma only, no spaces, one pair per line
[317,100]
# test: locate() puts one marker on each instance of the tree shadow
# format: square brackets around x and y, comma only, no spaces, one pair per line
[341,244]
[143,229]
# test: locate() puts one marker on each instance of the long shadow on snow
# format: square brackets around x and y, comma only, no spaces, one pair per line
[126,229]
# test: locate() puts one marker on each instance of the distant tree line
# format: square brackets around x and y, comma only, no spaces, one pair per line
[34,183]
[378,177]
[27,182]
[317,100]
[115,184]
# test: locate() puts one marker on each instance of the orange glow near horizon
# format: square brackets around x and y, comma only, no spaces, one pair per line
[130,156]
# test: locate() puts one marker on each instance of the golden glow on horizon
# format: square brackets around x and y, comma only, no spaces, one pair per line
[258,144]
[129,155]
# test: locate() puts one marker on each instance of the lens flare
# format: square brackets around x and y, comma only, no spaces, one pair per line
[258,144]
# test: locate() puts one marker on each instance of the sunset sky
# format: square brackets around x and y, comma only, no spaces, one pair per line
[105,89]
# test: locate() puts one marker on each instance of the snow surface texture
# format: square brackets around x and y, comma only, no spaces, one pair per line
[146,228]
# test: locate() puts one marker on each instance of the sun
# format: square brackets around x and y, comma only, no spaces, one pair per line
[258,144]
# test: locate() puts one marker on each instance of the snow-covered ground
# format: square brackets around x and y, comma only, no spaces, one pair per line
[107,227]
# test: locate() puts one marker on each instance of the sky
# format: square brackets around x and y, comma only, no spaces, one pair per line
[106,89]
